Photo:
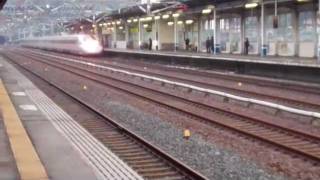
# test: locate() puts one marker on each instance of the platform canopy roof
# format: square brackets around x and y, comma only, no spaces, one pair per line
[39,14]
[203,2]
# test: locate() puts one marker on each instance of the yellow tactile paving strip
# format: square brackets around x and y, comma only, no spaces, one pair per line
[27,160]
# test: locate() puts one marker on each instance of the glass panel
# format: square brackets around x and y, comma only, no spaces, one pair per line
[271,35]
[121,34]
[284,32]
[307,26]
[251,28]
[230,34]
[235,35]
[224,33]
[207,32]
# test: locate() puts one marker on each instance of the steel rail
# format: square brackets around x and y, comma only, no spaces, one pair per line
[219,93]
[314,141]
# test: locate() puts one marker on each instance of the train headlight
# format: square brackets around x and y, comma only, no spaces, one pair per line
[90,45]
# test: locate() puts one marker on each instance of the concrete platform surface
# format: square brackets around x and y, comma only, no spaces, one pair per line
[289,61]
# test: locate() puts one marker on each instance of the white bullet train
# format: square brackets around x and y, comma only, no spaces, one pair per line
[81,44]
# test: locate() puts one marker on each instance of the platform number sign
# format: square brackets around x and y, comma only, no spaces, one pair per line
[275,22]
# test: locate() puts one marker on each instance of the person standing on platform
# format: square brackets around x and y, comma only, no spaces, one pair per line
[212,44]
[150,44]
[208,45]
[187,41]
[246,46]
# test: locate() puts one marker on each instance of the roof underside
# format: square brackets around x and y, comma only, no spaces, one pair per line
[2,2]
[192,3]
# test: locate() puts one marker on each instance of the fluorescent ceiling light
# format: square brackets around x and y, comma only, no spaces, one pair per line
[206,11]
[176,15]
[170,23]
[166,16]
[148,18]
[189,21]
[251,5]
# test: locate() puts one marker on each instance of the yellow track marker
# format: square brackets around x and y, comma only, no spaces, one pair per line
[27,160]
[186,133]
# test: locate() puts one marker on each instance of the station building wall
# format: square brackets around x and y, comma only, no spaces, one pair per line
[295,36]
[166,36]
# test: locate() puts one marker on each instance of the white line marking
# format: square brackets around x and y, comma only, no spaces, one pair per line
[18,93]
[220,93]
[28,107]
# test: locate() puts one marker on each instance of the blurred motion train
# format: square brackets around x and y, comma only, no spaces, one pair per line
[80,44]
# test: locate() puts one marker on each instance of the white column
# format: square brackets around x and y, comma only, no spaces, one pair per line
[24,33]
[157,34]
[139,34]
[51,28]
[175,34]
[263,46]
[215,30]
[115,36]
[31,32]
[126,28]
[199,33]
[19,34]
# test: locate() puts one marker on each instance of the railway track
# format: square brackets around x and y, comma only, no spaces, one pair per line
[149,161]
[288,94]
[296,142]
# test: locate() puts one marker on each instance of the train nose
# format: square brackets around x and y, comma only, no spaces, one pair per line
[91,46]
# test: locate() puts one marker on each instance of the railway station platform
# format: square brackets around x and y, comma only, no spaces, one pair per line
[289,61]
[38,140]
[293,68]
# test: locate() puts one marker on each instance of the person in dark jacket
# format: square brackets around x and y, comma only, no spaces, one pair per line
[212,44]
[150,44]
[208,44]
[246,46]
[187,44]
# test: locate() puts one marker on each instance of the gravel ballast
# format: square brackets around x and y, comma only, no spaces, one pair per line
[209,159]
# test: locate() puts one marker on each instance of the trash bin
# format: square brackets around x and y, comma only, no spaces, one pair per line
[264,50]
[217,48]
